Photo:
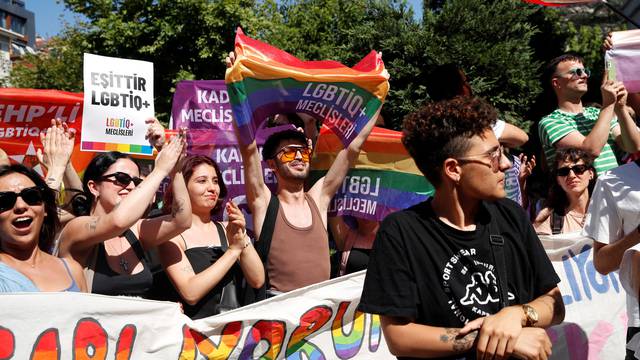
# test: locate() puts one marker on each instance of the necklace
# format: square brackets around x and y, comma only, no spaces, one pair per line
[124,264]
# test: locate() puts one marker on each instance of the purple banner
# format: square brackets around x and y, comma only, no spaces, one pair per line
[203,107]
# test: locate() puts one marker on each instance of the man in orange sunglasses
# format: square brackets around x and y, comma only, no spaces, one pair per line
[298,254]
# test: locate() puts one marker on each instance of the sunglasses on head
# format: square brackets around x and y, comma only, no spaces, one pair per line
[288,153]
[577,169]
[121,179]
[32,196]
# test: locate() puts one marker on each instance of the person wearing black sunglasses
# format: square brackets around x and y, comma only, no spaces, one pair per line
[569,194]
[28,224]
[572,125]
[109,236]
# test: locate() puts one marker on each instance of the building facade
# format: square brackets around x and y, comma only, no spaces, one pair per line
[17,33]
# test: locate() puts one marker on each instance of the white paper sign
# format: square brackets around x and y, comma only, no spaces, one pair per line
[118,97]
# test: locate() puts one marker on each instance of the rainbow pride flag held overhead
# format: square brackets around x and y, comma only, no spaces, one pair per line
[384,179]
[265,81]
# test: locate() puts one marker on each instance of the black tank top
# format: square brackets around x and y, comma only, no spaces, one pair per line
[200,259]
[108,282]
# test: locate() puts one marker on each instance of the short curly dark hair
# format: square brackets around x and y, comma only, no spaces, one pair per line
[270,145]
[441,130]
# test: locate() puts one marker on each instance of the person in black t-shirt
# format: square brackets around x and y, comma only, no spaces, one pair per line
[435,277]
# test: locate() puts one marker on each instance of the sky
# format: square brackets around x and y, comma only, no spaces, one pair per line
[50,15]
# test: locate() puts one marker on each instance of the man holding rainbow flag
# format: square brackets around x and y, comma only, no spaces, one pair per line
[264,81]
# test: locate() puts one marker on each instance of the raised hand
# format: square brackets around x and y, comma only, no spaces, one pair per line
[526,167]
[57,143]
[155,133]
[236,228]
[230,60]
[171,153]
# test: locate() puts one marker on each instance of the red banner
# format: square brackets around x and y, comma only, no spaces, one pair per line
[24,113]
[560,2]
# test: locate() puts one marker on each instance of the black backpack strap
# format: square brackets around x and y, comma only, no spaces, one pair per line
[263,246]
[136,245]
[269,224]
[223,236]
[557,221]
[497,250]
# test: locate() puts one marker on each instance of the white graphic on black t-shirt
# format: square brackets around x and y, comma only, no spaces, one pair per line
[482,290]
[471,285]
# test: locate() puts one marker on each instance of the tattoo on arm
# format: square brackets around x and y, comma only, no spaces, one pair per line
[458,343]
[186,269]
[92,225]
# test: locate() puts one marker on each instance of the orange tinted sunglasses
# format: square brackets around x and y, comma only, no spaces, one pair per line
[288,153]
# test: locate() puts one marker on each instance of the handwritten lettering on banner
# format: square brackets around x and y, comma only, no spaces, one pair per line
[319,321]
[118,98]
[25,113]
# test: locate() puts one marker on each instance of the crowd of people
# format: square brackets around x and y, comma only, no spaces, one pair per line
[462,274]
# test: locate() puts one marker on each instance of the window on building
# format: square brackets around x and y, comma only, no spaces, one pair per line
[18,24]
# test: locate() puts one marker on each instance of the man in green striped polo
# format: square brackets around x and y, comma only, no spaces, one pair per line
[588,128]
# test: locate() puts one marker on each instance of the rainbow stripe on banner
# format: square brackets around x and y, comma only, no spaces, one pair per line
[384,179]
[123,148]
[265,81]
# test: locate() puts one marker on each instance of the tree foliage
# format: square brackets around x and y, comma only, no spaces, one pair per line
[500,44]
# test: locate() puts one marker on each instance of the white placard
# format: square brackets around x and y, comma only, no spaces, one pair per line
[118,98]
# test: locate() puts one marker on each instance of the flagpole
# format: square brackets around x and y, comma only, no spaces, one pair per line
[617,11]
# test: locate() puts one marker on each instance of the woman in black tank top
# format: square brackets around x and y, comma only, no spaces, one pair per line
[202,260]
[109,235]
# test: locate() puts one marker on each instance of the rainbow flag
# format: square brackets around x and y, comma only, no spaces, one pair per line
[265,81]
[384,179]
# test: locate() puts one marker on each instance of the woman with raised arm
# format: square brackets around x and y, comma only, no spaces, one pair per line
[28,224]
[111,237]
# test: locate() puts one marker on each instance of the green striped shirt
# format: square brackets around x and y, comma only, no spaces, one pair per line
[559,124]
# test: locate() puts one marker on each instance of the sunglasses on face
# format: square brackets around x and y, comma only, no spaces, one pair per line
[577,169]
[578,73]
[121,179]
[288,153]
[32,196]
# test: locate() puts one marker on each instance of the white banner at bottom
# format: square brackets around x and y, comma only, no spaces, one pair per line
[317,322]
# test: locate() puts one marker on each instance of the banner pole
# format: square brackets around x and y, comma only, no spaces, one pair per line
[617,11]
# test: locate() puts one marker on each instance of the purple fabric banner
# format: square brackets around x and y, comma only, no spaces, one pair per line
[203,107]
